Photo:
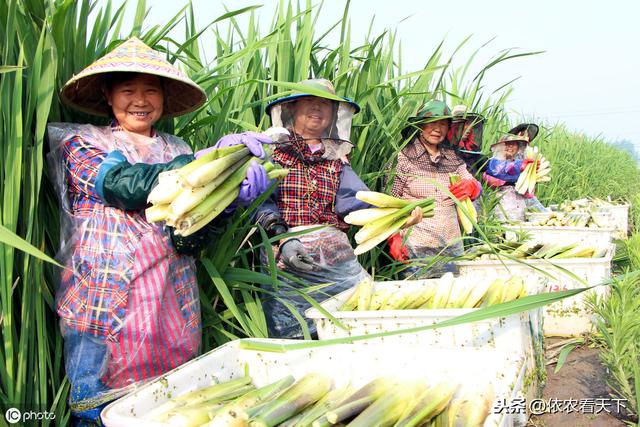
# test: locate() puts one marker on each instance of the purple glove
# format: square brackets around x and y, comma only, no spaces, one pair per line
[253,185]
[252,140]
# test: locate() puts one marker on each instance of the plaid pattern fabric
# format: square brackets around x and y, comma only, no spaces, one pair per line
[124,283]
[307,194]
[417,174]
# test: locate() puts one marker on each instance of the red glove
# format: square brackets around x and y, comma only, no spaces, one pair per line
[396,249]
[527,162]
[466,188]
[492,181]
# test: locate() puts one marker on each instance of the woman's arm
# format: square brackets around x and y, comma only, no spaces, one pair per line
[350,184]
[400,179]
[109,177]
[506,170]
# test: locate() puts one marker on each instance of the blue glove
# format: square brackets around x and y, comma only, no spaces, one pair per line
[253,185]
[252,140]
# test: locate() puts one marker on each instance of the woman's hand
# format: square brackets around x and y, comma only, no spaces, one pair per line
[253,185]
[415,218]
[252,140]
[466,188]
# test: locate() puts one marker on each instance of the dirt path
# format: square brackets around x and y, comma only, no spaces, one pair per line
[582,377]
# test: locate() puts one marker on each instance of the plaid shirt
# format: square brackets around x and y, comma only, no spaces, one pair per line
[124,282]
[306,196]
[416,173]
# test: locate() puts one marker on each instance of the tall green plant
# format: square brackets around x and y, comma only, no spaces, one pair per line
[618,334]
[584,166]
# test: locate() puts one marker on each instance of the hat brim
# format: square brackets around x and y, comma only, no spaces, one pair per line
[84,92]
[414,123]
[295,97]
[531,129]
[523,140]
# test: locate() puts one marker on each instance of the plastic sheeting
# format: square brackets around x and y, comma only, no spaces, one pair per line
[128,302]
[335,136]
[334,264]
[512,205]
[430,263]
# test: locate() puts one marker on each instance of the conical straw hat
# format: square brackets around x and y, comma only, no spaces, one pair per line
[84,90]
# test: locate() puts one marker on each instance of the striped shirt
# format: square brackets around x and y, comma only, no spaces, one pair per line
[418,175]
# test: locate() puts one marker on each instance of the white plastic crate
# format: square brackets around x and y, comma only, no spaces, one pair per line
[347,363]
[568,317]
[519,334]
[601,237]
[512,333]
[619,219]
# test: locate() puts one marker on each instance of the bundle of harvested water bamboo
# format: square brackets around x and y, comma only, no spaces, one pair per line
[312,402]
[447,292]
[387,218]
[467,214]
[192,196]
[535,250]
[536,171]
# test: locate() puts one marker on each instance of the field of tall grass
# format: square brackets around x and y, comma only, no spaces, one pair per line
[584,165]
[47,41]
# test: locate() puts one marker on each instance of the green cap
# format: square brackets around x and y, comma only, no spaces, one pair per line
[432,110]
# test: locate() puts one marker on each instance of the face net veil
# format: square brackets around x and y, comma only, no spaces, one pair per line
[337,129]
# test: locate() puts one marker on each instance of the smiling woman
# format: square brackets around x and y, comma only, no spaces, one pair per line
[136,100]
[128,298]
[312,116]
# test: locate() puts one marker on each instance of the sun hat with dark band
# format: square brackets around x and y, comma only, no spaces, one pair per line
[84,91]
[321,85]
[511,138]
[530,128]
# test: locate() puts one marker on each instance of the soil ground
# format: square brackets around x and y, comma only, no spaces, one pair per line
[581,377]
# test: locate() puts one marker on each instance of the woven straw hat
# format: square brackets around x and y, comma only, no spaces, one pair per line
[512,138]
[84,90]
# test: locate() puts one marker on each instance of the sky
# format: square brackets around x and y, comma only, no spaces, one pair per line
[588,76]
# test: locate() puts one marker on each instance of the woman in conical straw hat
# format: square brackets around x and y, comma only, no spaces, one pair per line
[319,190]
[128,299]
[504,168]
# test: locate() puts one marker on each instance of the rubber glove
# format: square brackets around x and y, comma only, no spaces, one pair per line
[527,162]
[466,188]
[396,249]
[492,181]
[252,140]
[294,255]
[253,185]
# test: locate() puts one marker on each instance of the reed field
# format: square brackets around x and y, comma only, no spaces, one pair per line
[47,41]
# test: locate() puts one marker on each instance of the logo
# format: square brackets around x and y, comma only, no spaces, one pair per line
[13,415]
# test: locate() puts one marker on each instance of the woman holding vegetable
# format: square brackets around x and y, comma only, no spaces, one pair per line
[128,299]
[319,190]
[504,169]
[423,170]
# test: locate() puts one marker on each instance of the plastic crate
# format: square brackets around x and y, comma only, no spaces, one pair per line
[619,219]
[346,363]
[601,237]
[519,334]
[568,317]
[512,333]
